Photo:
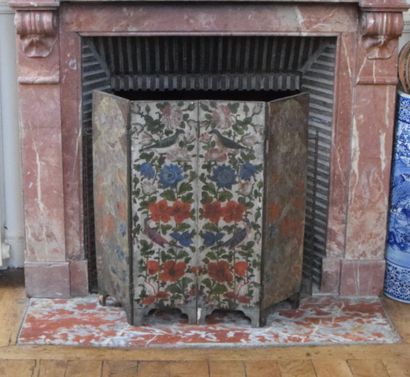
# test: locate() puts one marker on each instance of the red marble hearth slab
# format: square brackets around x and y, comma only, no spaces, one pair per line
[83,322]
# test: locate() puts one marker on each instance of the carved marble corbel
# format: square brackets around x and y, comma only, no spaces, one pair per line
[379,30]
[37,30]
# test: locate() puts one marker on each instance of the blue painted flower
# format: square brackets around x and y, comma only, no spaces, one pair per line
[123,229]
[211,238]
[247,171]
[147,170]
[184,239]
[170,175]
[224,176]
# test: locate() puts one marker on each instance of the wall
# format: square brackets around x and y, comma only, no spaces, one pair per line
[406,33]
[11,199]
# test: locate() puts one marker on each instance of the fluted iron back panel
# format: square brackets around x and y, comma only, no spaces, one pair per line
[94,76]
[205,55]
[205,63]
[318,80]
[248,65]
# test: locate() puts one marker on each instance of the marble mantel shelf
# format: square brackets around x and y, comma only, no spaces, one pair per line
[398,5]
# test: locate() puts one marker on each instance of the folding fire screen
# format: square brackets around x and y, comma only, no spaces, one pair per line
[199,205]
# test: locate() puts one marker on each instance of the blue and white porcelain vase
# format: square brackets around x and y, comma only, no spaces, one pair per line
[397,281]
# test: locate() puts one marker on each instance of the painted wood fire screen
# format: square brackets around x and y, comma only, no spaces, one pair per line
[199,205]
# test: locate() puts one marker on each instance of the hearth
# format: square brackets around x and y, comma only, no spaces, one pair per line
[347,196]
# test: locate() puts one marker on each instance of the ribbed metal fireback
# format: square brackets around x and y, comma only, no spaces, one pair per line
[205,63]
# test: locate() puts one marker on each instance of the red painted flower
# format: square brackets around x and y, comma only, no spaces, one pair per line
[160,211]
[162,295]
[196,270]
[181,211]
[149,300]
[152,267]
[220,271]
[241,268]
[233,211]
[213,211]
[231,295]
[244,299]
[172,271]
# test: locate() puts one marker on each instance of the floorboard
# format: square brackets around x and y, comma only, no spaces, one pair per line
[20,368]
[227,369]
[52,368]
[153,369]
[397,367]
[368,368]
[262,368]
[119,368]
[332,368]
[297,368]
[189,369]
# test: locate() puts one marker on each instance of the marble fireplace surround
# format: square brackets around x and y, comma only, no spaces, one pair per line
[49,76]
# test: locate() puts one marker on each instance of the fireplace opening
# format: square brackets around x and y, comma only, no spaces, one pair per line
[253,95]
[252,68]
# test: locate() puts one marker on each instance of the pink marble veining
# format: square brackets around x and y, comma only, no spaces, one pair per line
[83,322]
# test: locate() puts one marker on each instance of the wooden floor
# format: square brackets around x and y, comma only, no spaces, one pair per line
[302,361]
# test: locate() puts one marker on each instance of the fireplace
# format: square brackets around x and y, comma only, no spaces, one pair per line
[348,193]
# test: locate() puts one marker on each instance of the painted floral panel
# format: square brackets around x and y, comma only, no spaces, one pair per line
[231,169]
[164,155]
[285,178]
[111,193]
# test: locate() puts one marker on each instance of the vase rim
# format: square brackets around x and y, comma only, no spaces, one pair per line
[403,94]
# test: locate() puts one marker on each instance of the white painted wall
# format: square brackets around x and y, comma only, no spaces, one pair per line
[406,33]
[11,198]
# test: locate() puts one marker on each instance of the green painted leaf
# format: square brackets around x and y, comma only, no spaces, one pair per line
[211,255]
[186,280]
[182,254]
[182,227]
[169,195]
[211,227]
[204,107]
[219,289]
[233,107]
[210,187]
[174,288]
[184,187]
[147,156]
[225,195]
[207,282]
[165,228]
[187,198]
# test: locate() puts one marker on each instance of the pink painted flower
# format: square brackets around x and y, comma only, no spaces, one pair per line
[216,154]
[204,137]
[245,188]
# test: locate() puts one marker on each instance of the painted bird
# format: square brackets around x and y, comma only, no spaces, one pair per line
[164,145]
[153,235]
[225,142]
[237,238]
